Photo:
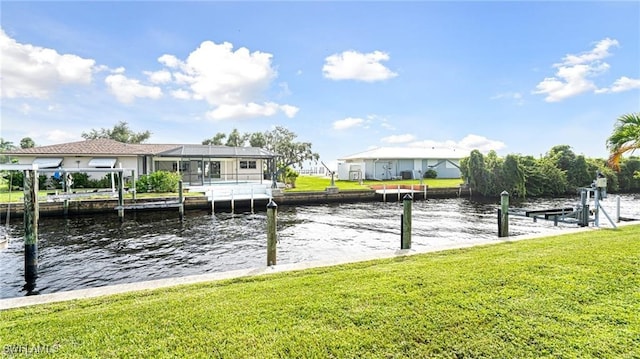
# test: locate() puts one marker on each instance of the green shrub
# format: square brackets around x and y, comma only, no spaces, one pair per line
[290,176]
[80,180]
[430,173]
[159,181]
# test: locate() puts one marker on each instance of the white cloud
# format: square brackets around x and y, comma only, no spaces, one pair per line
[599,52]
[126,90]
[347,123]
[620,85]
[222,76]
[480,143]
[232,82]
[352,65]
[181,94]
[468,143]
[289,111]
[249,110]
[169,61]
[159,77]
[399,138]
[32,71]
[574,74]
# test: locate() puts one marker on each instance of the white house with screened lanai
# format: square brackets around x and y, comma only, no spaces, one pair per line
[385,163]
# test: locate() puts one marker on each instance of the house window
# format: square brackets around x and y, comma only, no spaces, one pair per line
[248,165]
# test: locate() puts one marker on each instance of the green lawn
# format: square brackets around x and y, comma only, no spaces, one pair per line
[573,296]
[313,183]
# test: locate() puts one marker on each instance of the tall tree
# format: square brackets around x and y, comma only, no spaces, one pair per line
[474,171]
[290,153]
[514,177]
[562,156]
[257,139]
[625,138]
[5,146]
[215,140]
[120,132]
[27,142]
[236,139]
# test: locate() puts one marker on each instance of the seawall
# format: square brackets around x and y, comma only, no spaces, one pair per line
[93,206]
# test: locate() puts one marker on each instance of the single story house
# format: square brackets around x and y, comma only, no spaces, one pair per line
[385,163]
[198,164]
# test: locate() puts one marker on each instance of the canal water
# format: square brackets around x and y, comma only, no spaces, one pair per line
[84,252]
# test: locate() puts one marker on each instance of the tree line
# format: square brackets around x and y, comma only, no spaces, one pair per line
[560,171]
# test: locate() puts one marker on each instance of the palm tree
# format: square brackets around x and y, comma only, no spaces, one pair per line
[625,138]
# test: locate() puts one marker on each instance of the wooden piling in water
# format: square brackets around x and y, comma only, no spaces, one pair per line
[31,214]
[120,196]
[251,199]
[180,201]
[503,229]
[406,222]
[272,239]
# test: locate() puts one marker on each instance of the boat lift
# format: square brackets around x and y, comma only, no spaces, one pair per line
[582,213]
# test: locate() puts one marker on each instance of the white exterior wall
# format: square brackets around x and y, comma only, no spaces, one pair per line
[374,169]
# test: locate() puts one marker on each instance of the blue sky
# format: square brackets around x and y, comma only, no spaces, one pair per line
[517,77]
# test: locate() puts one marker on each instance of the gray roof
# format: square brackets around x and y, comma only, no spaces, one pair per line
[104,146]
[217,151]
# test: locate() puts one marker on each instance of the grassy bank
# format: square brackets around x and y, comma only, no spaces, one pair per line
[313,183]
[575,295]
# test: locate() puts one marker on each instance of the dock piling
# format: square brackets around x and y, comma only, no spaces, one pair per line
[120,196]
[503,229]
[272,219]
[251,199]
[180,201]
[31,214]
[406,222]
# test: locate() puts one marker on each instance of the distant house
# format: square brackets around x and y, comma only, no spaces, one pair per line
[198,164]
[386,163]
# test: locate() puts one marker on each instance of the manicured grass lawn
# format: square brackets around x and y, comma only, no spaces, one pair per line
[314,183]
[573,296]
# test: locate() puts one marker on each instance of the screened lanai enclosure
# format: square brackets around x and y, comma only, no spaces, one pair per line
[202,165]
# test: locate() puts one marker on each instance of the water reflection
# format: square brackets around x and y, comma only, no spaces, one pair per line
[84,252]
